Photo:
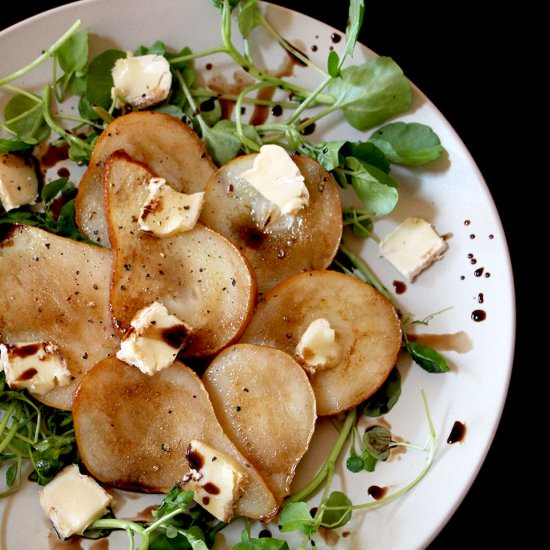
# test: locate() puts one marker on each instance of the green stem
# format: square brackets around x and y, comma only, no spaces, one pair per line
[191,101]
[21,91]
[308,101]
[248,143]
[203,92]
[56,127]
[191,56]
[41,58]
[329,464]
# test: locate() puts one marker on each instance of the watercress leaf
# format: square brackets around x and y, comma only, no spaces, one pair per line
[195,538]
[73,54]
[326,153]
[295,516]
[29,126]
[359,220]
[100,81]
[355,22]
[385,397]
[371,93]
[184,66]
[13,146]
[425,356]
[408,143]
[249,17]
[174,500]
[77,85]
[376,189]
[333,64]
[157,48]
[336,518]
[211,110]
[369,462]
[66,224]
[223,142]
[51,190]
[367,152]
[266,543]
[377,441]
[354,464]
[11,474]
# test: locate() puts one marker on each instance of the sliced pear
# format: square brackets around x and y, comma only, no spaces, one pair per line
[265,404]
[54,289]
[368,333]
[164,143]
[291,244]
[198,275]
[133,430]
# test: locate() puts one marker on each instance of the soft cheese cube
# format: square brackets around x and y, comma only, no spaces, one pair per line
[277,177]
[154,340]
[412,247]
[18,181]
[167,212]
[141,81]
[215,479]
[38,367]
[317,346]
[73,501]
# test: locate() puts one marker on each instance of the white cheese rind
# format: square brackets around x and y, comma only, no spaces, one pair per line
[73,501]
[215,478]
[38,367]
[141,81]
[167,212]
[155,339]
[412,247]
[317,346]
[18,181]
[277,178]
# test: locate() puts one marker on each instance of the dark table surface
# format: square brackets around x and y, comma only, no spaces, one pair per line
[458,54]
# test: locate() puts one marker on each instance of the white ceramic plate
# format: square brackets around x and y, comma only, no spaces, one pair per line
[451,194]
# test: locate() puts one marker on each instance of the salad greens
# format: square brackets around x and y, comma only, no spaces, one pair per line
[366,95]
[32,432]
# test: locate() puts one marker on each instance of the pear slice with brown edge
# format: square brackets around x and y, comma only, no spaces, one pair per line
[132,431]
[54,289]
[265,404]
[164,143]
[367,328]
[290,244]
[199,276]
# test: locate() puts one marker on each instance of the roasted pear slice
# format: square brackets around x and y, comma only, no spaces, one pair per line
[366,326]
[198,275]
[265,404]
[54,289]
[291,244]
[133,430]
[168,145]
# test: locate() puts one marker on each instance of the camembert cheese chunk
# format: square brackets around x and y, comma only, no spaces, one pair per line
[277,177]
[141,81]
[215,478]
[73,501]
[317,346]
[412,247]
[38,367]
[154,339]
[18,181]
[167,212]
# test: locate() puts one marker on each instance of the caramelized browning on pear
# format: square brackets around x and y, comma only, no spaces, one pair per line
[291,244]
[54,289]
[166,144]
[368,333]
[133,430]
[198,275]
[265,404]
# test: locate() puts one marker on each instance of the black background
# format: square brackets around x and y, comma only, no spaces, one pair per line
[461,55]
